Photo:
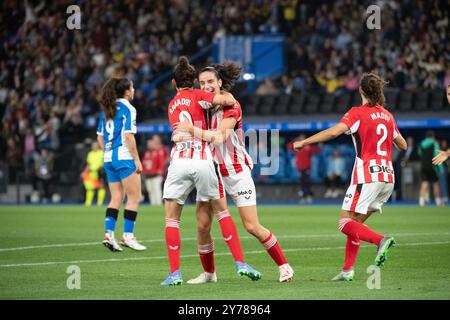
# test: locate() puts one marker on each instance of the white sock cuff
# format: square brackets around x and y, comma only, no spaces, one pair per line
[206,248]
[172,223]
[223,214]
[270,242]
[343,222]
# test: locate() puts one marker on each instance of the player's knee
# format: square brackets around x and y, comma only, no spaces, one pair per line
[134,198]
[252,228]
[204,228]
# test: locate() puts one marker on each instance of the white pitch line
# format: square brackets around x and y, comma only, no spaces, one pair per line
[196,255]
[85,244]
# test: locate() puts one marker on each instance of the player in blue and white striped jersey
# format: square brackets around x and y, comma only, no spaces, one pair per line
[115,133]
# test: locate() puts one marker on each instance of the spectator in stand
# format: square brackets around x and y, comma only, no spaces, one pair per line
[266,88]
[329,80]
[29,151]
[351,81]
[154,166]
[303,164]
[43,174]
[335,174]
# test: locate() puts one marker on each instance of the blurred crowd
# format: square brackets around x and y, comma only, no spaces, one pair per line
[50,76]
[330,46]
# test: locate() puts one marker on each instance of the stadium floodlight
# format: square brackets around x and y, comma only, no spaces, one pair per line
[248,76]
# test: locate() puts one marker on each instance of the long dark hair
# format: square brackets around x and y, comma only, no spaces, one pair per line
[372,87]
[112,90]
[184,74]
[228,72]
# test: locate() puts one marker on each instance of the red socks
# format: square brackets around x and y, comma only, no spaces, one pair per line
[274,250]
[351,252]
[230,235]
[359,231]
[173,243]
[206,252]
[355,232]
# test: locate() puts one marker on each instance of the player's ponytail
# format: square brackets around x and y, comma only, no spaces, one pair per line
[228,72]
[113,89]
[184,73]
[372,87]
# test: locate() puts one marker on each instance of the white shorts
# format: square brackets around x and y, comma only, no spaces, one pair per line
[363,198]
[185,174]
[241,188]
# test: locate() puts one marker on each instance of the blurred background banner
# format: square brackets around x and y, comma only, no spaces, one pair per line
[262,56]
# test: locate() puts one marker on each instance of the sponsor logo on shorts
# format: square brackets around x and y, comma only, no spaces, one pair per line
[243,193]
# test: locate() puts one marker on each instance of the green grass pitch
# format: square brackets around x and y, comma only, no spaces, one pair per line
[38,244]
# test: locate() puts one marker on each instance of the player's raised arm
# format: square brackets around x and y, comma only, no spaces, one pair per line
[322,136]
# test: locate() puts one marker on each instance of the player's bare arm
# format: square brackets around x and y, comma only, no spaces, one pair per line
[212,136]
[224,99]
[400,142]
[322,136]
[441,157]
[131,143]
[101,141]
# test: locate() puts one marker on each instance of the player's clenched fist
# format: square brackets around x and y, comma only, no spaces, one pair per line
[299,145]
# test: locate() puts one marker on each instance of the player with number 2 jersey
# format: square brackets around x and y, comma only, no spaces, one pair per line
[374,133]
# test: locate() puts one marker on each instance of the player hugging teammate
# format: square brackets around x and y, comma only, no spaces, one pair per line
[192,165]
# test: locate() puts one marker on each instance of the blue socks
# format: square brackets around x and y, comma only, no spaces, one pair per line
[129,221]
[110,219]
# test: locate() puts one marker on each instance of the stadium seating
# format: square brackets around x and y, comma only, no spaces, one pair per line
[343,103]
[402,101]
[421,101]
[283,104]
[312,104]
[327,104]
[297,103]
[436,100]
[405,101]
[391,96]
[267,107]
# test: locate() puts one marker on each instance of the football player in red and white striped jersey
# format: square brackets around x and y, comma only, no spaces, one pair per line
[374,132]
[225,131]
[192,165]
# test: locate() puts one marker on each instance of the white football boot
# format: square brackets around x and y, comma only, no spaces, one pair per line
[286,273]
[204,277]
[128,240]
[110,242]
[345,275]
